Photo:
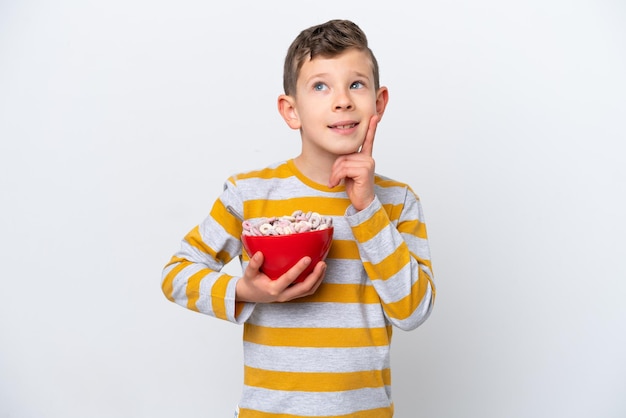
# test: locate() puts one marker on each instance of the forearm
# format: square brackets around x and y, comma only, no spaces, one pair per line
[194,279]
[396,258]
[186,283]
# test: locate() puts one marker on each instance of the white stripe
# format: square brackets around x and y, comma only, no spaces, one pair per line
[315,403]
[304,359]
[318,315]
[381,245]
[418,245]
[280,189]
[394,195]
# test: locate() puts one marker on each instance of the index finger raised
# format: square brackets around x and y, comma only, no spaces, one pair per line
[368,142]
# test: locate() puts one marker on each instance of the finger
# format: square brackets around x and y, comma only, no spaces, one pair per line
[335,177]
[368,142]
[338,170]
[355,166]
[295,271]
[256,261]
[309,285]
[321,269]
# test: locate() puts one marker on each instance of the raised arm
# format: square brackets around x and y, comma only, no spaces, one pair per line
[393,245]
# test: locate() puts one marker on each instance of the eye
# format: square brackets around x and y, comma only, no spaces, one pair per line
[357,85]
[319,86]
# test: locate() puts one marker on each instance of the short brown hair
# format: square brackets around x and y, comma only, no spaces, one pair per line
[326,40]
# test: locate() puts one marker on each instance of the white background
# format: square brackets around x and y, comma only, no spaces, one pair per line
[120,120]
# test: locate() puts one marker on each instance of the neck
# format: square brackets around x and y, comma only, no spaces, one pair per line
[317,170]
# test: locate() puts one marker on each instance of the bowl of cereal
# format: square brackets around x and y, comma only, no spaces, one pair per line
[286,239]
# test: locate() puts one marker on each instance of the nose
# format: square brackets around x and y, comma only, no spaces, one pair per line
[343,101]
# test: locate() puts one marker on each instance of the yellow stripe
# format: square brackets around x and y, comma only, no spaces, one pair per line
[389,183]
[226,219]
[393,211]
[372,413]
[238,308]
[367,230]
[390,265]
[316,382]
[342,293]
[194,239]
[193,288]
[416,228]
[218,296]
[317,337]
[403,308]
[281,172]
[168,282]
[344,249]
[174,260]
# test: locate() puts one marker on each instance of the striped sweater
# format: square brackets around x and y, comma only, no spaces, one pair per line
[325,355]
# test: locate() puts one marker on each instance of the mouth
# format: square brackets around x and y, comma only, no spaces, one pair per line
[343,125]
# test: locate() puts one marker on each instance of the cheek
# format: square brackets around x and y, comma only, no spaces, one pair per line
[311,116]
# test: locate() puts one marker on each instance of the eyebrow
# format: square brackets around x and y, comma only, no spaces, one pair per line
[322,75]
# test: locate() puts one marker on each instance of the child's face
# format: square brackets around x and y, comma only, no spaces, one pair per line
[335,99]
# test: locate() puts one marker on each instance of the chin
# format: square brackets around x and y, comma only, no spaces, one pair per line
[348,149]
[339,153]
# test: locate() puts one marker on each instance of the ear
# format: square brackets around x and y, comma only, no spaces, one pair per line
[287,109]
[382,98]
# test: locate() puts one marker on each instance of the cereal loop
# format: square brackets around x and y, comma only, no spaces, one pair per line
[295,223]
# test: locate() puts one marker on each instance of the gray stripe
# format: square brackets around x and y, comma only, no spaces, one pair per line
[315,403]
[296,359]
[318,315]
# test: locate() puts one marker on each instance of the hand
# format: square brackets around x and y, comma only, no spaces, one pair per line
[255,286]
[357,170]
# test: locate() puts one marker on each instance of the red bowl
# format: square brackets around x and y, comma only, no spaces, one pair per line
[281,252]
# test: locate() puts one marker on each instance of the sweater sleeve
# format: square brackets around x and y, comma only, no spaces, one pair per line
[396,257]
[193,277]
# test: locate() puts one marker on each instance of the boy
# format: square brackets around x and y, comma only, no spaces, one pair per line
[324,351]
